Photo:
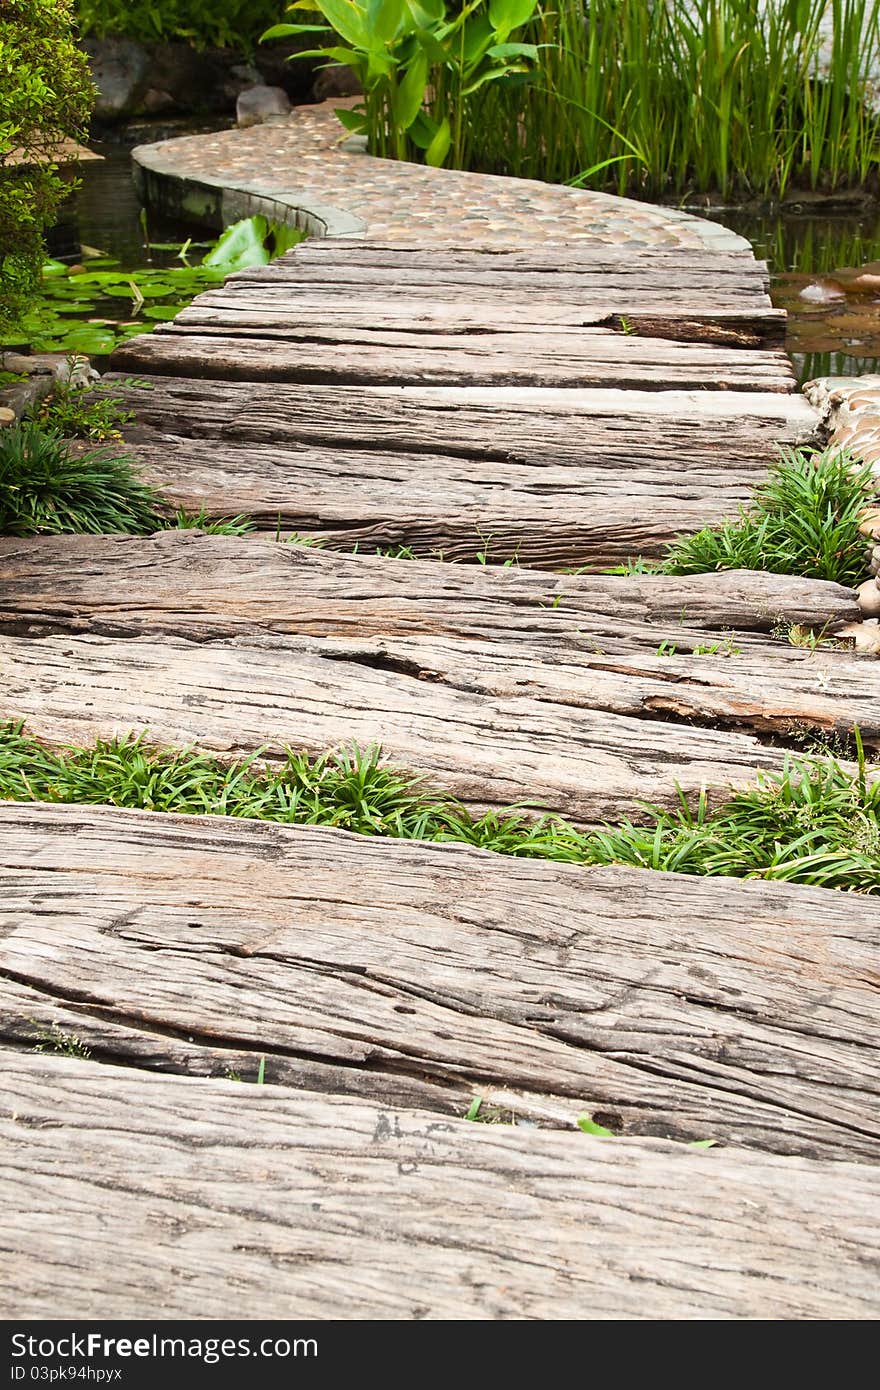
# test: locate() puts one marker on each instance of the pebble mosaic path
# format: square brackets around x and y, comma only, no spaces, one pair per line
[306,163]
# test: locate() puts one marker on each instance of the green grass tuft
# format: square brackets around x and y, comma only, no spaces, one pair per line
[815,822]
[803,521]
[46,488]
[183,520]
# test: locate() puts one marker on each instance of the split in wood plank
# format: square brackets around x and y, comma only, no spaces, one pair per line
[585,641]
[663,1005]
[128,1196]
[417,312]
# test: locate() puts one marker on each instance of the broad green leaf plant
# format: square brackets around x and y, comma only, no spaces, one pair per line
[419,65]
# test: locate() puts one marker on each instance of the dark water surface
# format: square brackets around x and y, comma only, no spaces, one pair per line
[834,312]
[104,212]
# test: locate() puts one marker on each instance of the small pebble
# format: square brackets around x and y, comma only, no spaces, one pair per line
[7,416]
[865,636]
[869,599]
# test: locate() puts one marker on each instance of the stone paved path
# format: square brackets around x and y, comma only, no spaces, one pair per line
[337,189]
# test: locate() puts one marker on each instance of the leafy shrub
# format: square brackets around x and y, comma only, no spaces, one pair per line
[224,23]
[419,66]
[48,487]
[45,97]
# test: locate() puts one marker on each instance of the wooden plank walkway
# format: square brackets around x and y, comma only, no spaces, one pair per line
[346,1206]
[563,407]
[567,407]
[540,477]
[670,1006]
[523,688]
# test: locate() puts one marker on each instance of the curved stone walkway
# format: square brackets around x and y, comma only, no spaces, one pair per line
[308,173]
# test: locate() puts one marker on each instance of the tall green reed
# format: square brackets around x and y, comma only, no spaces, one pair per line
[730,97]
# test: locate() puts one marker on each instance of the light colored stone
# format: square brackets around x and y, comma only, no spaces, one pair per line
[869,598]
[864,636]
[821,293]
[7,416]
[256,104]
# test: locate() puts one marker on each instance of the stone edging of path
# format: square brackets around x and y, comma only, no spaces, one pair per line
[850,407]
[301,170]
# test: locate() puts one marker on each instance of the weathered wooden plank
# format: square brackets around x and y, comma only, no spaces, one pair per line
[306,314]
[662,1005]
[639,279]
[550,257]
[510,425]
[202,586]
[351,496]
[554,477]
[240,696]
[580,641]
[124,1192]
[581,358]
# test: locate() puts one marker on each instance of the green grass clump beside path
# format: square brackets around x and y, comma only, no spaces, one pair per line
[815,822]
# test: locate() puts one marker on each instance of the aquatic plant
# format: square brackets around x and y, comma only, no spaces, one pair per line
[729,97]
[92,307]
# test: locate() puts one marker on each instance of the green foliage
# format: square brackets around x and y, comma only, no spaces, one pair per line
[91,309]
[48,487]
[803,521]
[814,822]
[55,1040]
[212,526]
[45,97]
[222,23]
[721,96]
[588,1126]
[420,65]
[79,412]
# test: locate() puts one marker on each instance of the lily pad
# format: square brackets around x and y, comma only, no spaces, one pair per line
[241,245]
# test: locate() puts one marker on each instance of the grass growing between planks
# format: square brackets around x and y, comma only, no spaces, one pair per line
[816,822]
[803,521]
[51,487]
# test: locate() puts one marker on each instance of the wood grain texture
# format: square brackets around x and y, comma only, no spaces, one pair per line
[597,357]
[550,477]
[249,694]
[299,1207]
[689,320]
[585,641]
[663,1005]
[201,585]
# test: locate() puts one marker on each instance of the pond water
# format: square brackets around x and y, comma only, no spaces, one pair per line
[105,211]
[116,271]
[825,272]
[834,312]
